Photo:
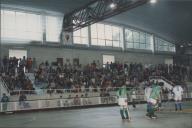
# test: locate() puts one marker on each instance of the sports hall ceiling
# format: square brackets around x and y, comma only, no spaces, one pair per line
[170,19]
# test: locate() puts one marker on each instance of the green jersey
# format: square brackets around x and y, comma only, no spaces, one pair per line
[122,92]
[155,93]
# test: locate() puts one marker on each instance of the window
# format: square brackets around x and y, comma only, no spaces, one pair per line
[18,26]
[81,36]
[53,28]
[105,35]
[138,40]
[162,45]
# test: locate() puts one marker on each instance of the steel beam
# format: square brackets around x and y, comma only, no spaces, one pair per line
[96,11]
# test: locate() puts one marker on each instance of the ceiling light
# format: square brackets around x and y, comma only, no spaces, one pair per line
[153,1]
[112,5]
[181,46]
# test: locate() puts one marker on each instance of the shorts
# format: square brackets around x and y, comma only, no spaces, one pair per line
[152,101]
[122,102]
[178,98]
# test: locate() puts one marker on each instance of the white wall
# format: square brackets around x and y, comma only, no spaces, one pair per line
[42,53]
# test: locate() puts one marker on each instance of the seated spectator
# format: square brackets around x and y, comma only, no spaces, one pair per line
[77,100]
[22,101]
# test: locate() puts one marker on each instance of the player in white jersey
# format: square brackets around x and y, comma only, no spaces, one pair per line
[178,92]
[148,90]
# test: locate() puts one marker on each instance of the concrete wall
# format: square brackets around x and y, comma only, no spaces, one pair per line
[43,53]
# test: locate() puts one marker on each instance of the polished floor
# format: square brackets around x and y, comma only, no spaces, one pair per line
[106,117]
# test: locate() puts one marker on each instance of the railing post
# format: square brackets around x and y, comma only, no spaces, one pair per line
[15,106]
[39,104]
[1,107]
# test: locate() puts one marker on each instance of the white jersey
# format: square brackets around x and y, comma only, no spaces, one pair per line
[178,92]
[133,96]
[148,92]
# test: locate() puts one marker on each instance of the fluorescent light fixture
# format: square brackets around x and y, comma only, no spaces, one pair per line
[153,1]
[113,5]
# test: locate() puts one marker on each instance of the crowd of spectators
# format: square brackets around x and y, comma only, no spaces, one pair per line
[13,73]
[91,76]
[83,78]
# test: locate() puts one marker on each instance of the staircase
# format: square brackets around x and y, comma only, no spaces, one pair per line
[3,88]
[31,77]
[167,84]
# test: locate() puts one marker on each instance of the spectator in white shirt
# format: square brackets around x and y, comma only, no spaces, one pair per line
[178,92]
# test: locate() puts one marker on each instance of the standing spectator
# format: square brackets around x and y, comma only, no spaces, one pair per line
[178,92]
[29,64]
[133,98]
[4,101]
[5,63]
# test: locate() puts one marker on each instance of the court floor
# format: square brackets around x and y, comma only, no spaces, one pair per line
[102,117]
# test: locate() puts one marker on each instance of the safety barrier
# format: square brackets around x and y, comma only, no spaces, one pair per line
[56,103]
[66,91]
[73,101]
[3,87]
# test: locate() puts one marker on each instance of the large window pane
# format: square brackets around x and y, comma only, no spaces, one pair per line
[94,42]
[76,39]
[108,32]
[81,36]
[100,29]
[77,33]
[162,45]
[130,45]
[138,40]
[84,40]
[116,33]
[116,43]
[94,31]
[53,28]
[34,27]
[106,35]
[16,25]
[2,19]
[142,46]
[135,36]
[109,43]
[128,35]
[101,42]
[9,20]
[136,45]
[142,38]
[84,32]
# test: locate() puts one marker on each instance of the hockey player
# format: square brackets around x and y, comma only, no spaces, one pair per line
[152,102]
[147,95]
[123,103]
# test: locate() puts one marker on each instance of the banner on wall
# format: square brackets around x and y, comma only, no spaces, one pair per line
[67,38]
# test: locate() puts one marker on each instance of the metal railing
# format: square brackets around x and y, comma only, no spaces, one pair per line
[73,102]
[163,78]
[56,103]
[64,91]
[4,87]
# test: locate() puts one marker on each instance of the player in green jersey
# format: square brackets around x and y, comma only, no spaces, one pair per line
[153,100]
[123,103]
